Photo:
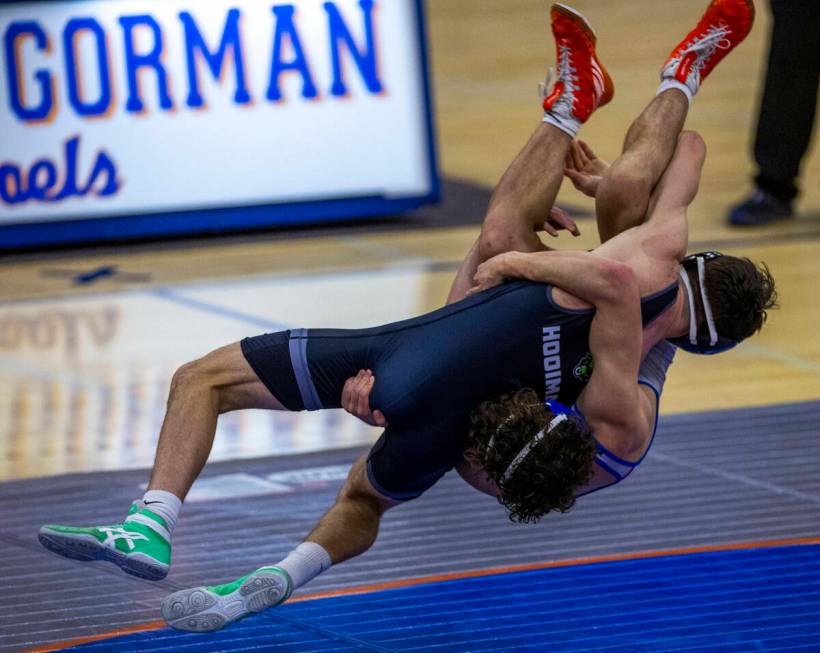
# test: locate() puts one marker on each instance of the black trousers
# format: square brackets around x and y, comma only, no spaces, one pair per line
[789,100]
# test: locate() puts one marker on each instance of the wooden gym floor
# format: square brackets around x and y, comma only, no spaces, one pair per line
[124,335]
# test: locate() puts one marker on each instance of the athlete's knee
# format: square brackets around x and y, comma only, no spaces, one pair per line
[693,142]
[363,502]
[187,377]
[496,237]
[501,233]
[623,191]
[201,376]
[358,494]
[191,378]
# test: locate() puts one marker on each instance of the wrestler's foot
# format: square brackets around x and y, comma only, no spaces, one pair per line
[140,548]
[582,83]
[203,609]
[724,25]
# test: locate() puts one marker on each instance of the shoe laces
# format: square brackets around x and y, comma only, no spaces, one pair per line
[566,73]
[705,46]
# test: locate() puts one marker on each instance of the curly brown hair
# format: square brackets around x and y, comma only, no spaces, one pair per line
[546,479]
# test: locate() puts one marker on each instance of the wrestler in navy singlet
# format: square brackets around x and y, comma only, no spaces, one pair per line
[432,371]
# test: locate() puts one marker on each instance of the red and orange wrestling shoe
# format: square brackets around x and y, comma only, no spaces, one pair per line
[724,25]
[582,83]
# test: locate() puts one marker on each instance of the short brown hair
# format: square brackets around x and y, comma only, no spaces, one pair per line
[740,293]
[554,468]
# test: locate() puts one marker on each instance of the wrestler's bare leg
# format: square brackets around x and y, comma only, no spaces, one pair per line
[200,391]
[524,196]
[519,205]
[351,525]
[223,381]
[526,193]
[623,195]
[141,545]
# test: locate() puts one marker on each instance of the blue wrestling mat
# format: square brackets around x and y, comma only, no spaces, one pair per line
[762,599]
[712,545]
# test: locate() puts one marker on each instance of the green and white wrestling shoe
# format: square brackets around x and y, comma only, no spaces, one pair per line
[203,609]
[141,546]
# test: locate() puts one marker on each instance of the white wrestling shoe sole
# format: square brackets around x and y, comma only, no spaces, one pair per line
[202,610]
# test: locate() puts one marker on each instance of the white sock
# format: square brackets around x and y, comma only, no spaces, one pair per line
[162,503]
[666,84]
[305,562]
[567,125]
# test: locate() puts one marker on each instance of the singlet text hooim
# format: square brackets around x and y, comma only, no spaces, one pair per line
[551,338]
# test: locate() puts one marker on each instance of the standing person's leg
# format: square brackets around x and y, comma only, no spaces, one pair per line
[787,111]
[789,101]
[624,193]
[200,391]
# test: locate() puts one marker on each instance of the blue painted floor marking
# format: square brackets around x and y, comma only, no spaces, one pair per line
[104,272]
[94,275]
[217,309]
[735,601]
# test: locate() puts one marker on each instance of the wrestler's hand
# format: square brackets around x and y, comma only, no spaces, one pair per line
[559,219]
[491,273]
[584,168]
[356,398]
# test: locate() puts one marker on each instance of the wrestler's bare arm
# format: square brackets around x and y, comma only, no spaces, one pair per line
[616,408]
[654,248]
[587,275]
[613,404]
[630,446]
[666,225]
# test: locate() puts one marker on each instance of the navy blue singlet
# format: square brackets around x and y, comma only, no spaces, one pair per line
[432,371]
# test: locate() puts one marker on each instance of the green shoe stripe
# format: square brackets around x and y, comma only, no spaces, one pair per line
[227,588]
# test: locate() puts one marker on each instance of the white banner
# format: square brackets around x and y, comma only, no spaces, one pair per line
[139,106]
